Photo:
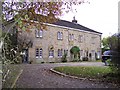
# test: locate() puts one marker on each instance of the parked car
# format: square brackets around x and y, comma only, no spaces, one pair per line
[107,55]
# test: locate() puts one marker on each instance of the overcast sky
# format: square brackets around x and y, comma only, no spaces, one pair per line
[99,15]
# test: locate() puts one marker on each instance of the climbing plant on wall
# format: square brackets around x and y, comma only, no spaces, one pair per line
[75,51]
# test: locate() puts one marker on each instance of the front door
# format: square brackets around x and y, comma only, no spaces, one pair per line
[25,56]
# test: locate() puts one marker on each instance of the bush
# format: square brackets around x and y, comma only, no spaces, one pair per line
[51,62]
[11,76]
[85,58]
[115,60]
[76,60]
[42,62]
[31,61]
[64,58]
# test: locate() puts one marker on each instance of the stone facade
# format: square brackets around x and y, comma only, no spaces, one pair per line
[88,42]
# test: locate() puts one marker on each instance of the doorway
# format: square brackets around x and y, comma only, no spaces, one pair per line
[25,56]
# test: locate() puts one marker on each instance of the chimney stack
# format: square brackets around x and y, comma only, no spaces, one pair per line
[74,21]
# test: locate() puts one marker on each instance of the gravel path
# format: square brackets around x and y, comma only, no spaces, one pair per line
[39,76]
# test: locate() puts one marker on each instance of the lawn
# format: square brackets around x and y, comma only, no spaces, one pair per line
[84,72]
[10,78]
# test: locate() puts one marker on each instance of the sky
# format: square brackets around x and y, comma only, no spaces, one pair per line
[99,15]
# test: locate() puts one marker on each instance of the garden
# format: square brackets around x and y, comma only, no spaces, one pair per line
[102,74]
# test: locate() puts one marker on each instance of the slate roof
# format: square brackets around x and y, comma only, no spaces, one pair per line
[74,25]
[68,24]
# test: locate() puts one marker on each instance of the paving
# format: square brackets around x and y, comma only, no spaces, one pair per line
[40,76]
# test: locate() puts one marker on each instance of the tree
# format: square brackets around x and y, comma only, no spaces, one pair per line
[115,46]
[105,44]
[9,49]
[40,11]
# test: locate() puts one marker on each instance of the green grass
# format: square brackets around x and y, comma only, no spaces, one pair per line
[14,71]
[93,61]
[98,60]
[81,71]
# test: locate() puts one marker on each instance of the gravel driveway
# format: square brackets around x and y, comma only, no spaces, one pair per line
[40,76]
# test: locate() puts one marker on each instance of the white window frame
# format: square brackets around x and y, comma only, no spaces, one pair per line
[80,38]
[59,52]
[59,35]
[40,33]
[65,51]
[71,37]
[37,52]
[51,53]
[93,40]
[36,33]
[81,54]
[40,52]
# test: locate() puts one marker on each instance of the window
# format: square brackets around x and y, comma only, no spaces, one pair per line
[39,33]
[93,40]
[80,39]
[65,51]
[60,35]
[71,37]
[39,53]
[36,33]
[51,53]
[81,52]
[59,52]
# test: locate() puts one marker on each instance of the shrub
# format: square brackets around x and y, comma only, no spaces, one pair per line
[51,62]
[31,61]
[85,58]
[64,58]
[42,62]
[115,46]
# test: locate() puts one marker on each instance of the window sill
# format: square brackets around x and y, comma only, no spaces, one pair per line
[51,57]
[36,57]
[60,39]
[39,57]
[39,37]
[59,56]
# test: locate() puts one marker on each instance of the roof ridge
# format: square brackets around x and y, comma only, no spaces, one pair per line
[74,25]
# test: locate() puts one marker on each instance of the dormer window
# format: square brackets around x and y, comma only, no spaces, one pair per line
[39,33]
[60,35]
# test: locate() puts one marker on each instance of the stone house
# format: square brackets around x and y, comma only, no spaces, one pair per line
[51,44]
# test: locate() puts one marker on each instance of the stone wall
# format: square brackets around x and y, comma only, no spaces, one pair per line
[91,43]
